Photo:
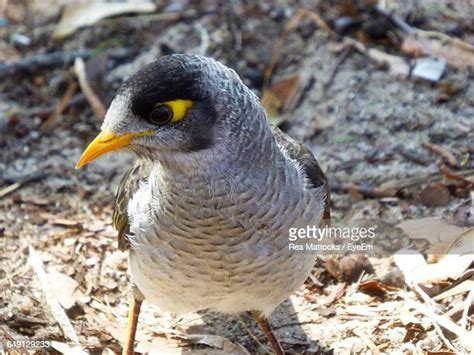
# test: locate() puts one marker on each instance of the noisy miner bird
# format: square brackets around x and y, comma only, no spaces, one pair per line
[205,212]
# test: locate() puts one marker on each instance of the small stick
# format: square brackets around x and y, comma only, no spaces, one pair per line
[430,311]
[254,337]
[53,60]
[42,61]
[396,20]
[443,153]
[457,311]
[62,105]
[57,311]
[96,105]
[367,341]
[290,26]
[9,189]
[340,61]
[418,180]
[409,30]
[438,321]
[24,180]
[448,174]
[365,191]
[467,306]
[164,16]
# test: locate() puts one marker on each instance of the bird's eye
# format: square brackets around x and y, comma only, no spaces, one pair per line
[161,114]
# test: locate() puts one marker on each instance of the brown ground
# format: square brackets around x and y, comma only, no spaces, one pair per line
[367,127]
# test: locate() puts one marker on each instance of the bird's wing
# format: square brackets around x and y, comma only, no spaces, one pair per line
[308,162]
[126,189]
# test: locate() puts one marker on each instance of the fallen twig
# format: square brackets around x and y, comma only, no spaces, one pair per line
[366,191]
[396,20]
[96,105]
[61,107]
[443,153]
[394,188]
[335,294]
[467,306]
[396,65]
[57,311]
[367,341]
[171,16]
[437,321]
[42,61]
[448,174]
[418,42]
[418,180]
[406,28]
[412,155]
[458,310]
[54,60]
[342,58]
[290,26]
[252,335]
[24,180]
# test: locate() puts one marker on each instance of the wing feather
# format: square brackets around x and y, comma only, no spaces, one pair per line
[127,187]
[310,165]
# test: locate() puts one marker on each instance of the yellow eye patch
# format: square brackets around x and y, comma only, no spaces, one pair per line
[179,107]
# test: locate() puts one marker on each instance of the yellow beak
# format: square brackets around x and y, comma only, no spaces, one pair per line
[106,142]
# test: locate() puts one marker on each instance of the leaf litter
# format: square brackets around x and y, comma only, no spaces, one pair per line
[366,94]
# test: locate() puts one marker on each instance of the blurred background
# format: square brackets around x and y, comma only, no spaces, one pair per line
[382,92]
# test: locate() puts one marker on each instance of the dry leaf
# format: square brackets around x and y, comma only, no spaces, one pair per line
[335,294]
[69,349]
[414,330]
[448,174]
[442,152]
[352,266]
[375,288]
[435,195]
[434,230]
[280,96]
[65,222]
[88,13]
[157,345]
[217,342]
[408,261]
[459,257]
[65,289]
[55,307]
[463,243]
[450,267]
[333,269]
[271,103]
[455,52]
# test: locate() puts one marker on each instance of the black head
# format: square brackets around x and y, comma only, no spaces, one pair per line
[182,104]
[172,77]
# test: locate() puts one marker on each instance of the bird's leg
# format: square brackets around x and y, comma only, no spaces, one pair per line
[268,331]
[132,322]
